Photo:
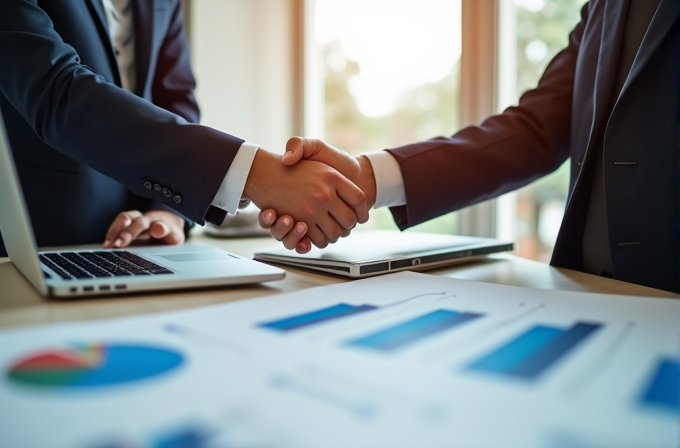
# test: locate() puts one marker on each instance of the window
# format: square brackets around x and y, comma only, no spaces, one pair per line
[390,77]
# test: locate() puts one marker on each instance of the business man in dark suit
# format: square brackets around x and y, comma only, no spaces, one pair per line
[97,97]
[609,103]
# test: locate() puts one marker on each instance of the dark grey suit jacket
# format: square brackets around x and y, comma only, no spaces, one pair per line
[564,117]
[84,147]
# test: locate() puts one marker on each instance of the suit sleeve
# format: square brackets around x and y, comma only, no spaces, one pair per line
[501,154]
[79,114]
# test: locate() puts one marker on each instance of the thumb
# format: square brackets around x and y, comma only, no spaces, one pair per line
[165,234]
[302,148]
[308,148]
[159,230]
[294,151]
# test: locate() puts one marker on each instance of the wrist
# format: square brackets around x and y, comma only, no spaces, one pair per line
[261,170]
[367,180]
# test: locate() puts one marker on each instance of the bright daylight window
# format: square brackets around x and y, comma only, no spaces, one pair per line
[391,77]
[543,28]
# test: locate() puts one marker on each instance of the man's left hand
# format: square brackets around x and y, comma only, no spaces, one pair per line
[157,226]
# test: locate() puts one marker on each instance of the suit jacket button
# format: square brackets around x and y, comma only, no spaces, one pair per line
[166,192]
[157,187]
[177,199]
[148,185]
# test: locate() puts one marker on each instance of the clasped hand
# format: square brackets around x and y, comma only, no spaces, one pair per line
[302,234]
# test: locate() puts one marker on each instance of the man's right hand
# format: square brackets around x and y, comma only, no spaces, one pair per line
[358,170]
[310,192]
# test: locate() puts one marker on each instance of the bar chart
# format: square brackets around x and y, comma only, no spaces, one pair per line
[316,317]
[413,330]
[531,354]
[663,390]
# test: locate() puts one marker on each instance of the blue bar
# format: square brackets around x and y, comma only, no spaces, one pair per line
[556,350]
[663,391]
[315,317]
[186,438]
[395,337]
[531,354]
[505,359]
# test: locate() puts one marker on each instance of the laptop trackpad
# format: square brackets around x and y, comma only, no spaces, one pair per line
[197,256]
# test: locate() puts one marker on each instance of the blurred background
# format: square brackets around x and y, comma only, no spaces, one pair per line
[366,75]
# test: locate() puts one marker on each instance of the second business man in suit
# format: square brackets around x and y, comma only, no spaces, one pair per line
[97,97]
[609,103]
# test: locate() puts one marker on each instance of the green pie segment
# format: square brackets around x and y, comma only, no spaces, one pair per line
[92,366]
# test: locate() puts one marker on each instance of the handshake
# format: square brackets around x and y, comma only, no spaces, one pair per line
[314,194]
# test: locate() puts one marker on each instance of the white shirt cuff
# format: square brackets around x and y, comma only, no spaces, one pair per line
[389,183]
[231,190]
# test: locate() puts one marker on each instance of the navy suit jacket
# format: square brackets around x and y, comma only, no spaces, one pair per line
[563,118]
[84,147]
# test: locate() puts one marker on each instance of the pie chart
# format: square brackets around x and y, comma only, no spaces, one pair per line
[90,366]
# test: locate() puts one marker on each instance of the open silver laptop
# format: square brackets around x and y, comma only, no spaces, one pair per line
[72,273]
[369,253]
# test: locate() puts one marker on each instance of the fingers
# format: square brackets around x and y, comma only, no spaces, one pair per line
[122,221]
[330,227]
[284,229]
[162,226]
[317,236]
[266,218]
[133,231]
[282,226]
[354,198]
[166,234]
[292,239]
[304,246]
[343,215]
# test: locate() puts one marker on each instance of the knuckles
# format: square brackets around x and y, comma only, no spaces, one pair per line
[360,197]
[323,196]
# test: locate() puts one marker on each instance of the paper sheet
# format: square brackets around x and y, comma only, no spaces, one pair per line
[402,360]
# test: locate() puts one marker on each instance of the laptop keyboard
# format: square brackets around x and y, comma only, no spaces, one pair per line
[100,264]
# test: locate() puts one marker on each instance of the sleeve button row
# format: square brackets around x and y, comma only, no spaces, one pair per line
[165,191]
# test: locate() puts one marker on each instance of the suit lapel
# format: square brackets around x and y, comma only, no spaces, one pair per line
[664,18]
[144,24]
[99,16]
[613,26]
